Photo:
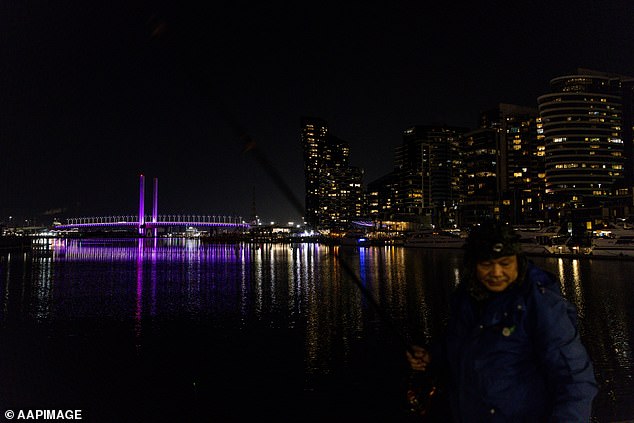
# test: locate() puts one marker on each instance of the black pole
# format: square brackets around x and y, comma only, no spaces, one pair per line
[197,70]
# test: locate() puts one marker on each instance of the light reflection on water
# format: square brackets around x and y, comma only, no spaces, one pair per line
[301,292]
[602,293]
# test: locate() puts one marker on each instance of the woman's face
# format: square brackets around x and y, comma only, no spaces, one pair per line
[497,274]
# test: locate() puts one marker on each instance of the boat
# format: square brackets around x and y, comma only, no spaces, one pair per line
[542,235]
[532,245]
[434,239]
[551,240]
[354,239]
[539,240]
[613,242]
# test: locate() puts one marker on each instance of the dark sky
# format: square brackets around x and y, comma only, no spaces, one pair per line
[94,93]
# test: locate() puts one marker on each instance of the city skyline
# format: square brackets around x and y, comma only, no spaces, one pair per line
[96,95]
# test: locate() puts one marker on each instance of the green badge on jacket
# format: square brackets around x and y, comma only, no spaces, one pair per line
[508,331]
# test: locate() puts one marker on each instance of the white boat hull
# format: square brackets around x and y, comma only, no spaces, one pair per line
[434,240]
[612,252]
[534,247]
[619,246]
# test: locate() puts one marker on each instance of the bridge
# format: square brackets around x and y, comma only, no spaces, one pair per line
[149,225]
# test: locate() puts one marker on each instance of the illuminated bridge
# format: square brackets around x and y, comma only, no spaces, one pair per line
[150,224]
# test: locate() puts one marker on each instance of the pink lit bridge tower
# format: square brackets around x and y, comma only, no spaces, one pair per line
[149,225]
[142,225]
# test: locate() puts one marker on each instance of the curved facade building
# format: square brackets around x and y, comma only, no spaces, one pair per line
[582,126]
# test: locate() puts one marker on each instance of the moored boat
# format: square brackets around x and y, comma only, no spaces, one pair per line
[434,239]
[551,240]
[540,240]
[542,235]
[614,246]
[533,246]
[354,238]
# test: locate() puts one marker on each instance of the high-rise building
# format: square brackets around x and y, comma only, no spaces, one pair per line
[482,169]
[587,128]
[520,168]
[380,196]
[427,166]
[334,191]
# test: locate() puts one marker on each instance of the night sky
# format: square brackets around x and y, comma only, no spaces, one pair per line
[92,94]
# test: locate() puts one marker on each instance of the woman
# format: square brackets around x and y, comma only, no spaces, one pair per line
[511,351]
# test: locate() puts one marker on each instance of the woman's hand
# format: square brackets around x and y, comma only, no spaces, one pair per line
[419,358]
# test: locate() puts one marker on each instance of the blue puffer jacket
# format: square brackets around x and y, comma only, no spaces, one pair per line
[517,356]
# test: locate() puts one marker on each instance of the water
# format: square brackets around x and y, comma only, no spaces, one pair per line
[178,331]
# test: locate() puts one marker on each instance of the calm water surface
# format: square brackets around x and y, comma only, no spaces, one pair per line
[174,330]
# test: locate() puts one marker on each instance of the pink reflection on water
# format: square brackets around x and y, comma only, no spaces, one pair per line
[138,314]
